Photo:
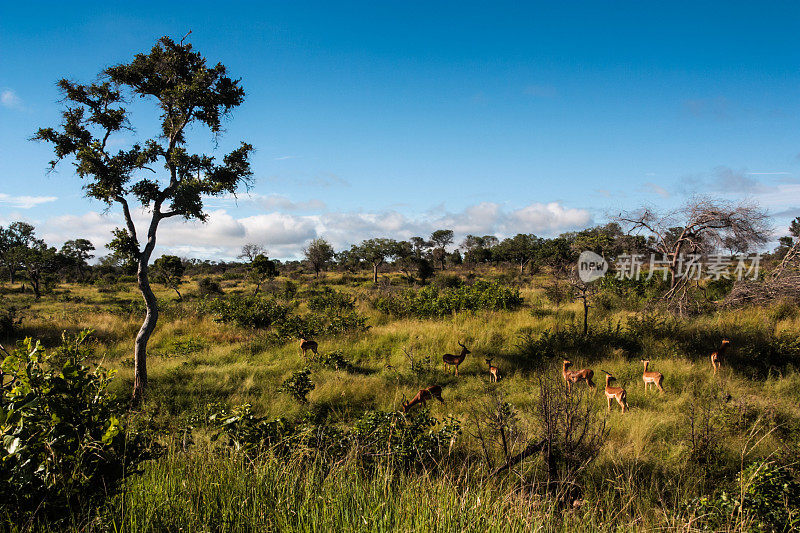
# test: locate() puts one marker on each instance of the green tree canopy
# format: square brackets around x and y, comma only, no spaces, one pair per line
[186,92]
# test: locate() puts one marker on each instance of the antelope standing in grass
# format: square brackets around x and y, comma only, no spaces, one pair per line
[434,391]
[617,393]
[455,360]
[306,345]
[493,370]
[574,376]
[717,356]
[656,378]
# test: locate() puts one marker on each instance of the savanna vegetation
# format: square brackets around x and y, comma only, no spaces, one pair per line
[230,428]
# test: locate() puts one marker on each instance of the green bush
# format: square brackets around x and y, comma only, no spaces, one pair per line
[431,301]
[64,444]
[447,281]
[334,360]
[298,385]
[395,439]
[765,498]
[208,287]
[248,311]
[331,300]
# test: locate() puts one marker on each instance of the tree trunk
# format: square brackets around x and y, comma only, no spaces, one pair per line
[148,326]
[375,272]
[150,319]
[585,317]
[35,286]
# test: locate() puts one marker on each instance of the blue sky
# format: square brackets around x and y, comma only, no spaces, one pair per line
[394,119]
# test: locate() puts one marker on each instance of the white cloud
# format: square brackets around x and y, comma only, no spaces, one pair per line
[285,234]
[9,99]
[25,202]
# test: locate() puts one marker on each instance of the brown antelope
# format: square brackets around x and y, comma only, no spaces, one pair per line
[493,370]
[617,393]
[434,391]
[574,376]
[455,360]
[717,356]
[656,378]
[307,345]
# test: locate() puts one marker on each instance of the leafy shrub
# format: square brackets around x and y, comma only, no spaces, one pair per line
[331,300]
[335,360]
[718,289]
[447,281]
[10,320]
[208,287]
[402,441]
[289,290]
[642,287]
[250,433]
[298,385]
[248,311]
[407,439]
[432,302]
[64,444]
[766,498]
[558,292]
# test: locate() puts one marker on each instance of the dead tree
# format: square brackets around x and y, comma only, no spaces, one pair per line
[701,225]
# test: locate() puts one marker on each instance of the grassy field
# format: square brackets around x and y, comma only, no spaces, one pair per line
[648,471]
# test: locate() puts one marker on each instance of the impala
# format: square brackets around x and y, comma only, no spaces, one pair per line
[656,378]
[434,391]
[574,376]
[717,356]
[493,370]
[617,393]
[307,345]
[455,360]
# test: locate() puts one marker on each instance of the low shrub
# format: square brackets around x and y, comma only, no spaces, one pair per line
[298,385]
[765,497]
[391,438]
[208,287]
[247,311]
[64,442]
[431,301]
[331,300]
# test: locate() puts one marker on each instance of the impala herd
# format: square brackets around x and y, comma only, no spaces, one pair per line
[571,377]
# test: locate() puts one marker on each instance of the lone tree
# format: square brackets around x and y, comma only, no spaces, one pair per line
[168,270]
[186,92]
[251,250]
[261,269]
[377,251]
[319,253]
[78,251]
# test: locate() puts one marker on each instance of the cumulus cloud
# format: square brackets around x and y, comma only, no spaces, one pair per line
[25,202]
[9,99]
[285,234]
